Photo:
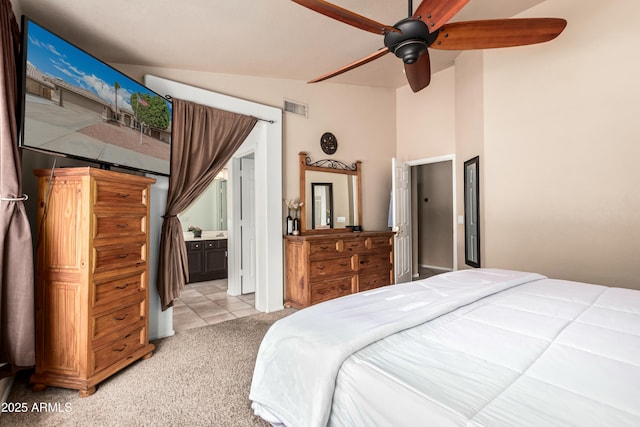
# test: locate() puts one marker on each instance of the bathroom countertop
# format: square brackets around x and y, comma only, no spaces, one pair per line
[206,235]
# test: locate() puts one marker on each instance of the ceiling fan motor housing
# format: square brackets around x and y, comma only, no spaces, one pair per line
[412,40]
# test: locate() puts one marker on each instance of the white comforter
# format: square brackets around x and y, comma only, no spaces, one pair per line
[300,356]
[547,353]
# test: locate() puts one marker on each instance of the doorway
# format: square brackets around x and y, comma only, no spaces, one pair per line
[205,299]
[432,216]
[265,141]
[423,216]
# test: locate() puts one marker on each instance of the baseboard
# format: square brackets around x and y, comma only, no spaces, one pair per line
[435,267]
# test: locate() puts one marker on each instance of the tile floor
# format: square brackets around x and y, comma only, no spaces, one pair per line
[206,303]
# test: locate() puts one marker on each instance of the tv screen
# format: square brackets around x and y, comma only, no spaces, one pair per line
[75,105]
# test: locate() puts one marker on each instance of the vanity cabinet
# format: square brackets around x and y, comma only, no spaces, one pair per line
[92,274]
[320,267]
[207,259]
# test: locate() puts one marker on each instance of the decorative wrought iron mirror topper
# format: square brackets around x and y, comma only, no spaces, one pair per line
[331,164]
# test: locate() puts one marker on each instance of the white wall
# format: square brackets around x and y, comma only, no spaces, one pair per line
[555,126]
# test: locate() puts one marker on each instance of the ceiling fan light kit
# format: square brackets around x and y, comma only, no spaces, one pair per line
[410,38]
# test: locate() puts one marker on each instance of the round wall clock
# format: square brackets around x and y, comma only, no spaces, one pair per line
[329,143]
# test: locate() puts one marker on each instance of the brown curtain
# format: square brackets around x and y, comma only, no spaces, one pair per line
[203,140]
[17,327]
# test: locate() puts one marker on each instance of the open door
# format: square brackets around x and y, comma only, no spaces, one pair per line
[400,214]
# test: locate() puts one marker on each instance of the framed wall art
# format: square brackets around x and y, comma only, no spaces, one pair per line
[472,212]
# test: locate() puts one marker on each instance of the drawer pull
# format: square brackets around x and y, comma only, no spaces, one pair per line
[344,264]
[121,349]
[122,286]
[121,318]
[123,195]
[320,267]
[324,248]
[122,225]
[128,335]
[122,256]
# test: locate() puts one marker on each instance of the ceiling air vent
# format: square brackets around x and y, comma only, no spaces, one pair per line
[296,108]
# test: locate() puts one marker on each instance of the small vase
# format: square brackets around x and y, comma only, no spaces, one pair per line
[289,224]
[197,233]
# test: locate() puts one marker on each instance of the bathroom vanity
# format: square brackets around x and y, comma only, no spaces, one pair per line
[207,256]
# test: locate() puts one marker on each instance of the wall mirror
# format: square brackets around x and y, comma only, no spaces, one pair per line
[330,190]
[209,211]
[322,207]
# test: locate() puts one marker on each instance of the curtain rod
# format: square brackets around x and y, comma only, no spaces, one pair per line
[260,119]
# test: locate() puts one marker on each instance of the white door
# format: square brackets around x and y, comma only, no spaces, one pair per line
[248,226]
[401,214]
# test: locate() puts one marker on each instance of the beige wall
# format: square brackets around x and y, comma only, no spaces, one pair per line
[426,120]
[556,129]
[361,118]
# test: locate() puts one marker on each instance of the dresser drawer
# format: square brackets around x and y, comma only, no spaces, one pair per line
[195,246]
[374,262]
[374,280]
[327,248]
[112,323]
[120,256]
[330,289]
[121,348]
[117,288]
[324,268]
[107,226]
[110,194]
[378,244]
[215,244]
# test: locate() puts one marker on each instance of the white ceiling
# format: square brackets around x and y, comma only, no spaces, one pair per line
[268,38]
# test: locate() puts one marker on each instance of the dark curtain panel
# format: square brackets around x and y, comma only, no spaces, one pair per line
[17,328]
[203,140]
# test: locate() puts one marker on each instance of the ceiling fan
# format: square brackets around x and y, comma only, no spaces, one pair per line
[410,38]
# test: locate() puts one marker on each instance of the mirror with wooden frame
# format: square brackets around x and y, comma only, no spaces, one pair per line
[330,190]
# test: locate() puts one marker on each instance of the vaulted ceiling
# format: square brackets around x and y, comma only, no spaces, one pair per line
[267,38]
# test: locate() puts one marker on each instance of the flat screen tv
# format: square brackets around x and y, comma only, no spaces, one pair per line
[75,105]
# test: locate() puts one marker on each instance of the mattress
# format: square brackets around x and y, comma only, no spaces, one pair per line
[537,351]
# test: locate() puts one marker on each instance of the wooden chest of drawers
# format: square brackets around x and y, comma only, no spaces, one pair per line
[91,276]
[321,267]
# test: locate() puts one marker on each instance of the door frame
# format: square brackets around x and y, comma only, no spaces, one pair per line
[268,156]
[454,220]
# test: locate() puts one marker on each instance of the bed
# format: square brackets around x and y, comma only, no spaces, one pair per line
[482,347]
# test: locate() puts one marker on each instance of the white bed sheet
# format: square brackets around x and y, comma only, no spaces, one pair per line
[546,353]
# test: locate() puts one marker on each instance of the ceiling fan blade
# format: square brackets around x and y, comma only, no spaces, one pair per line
[346,16]
[379,53]
[497,33]
[419,73]
[436,13]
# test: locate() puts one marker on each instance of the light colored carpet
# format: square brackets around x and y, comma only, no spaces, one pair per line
[199,377]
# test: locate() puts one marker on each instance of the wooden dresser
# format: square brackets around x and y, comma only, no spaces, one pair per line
[321,267]
[91,277]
